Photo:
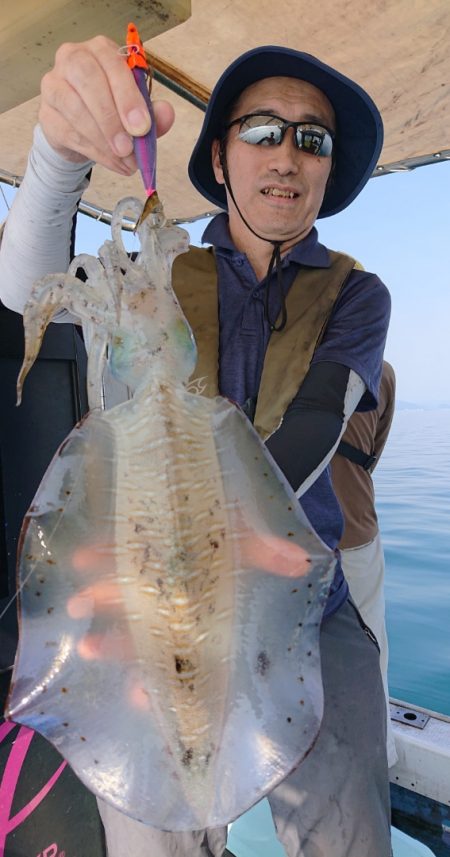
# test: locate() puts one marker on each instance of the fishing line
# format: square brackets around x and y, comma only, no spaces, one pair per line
[8,207]
[17,593]
[124,50]
[33,569]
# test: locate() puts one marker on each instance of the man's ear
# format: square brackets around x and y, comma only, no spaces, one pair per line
[216,156]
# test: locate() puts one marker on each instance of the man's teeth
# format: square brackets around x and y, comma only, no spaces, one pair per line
[275,191]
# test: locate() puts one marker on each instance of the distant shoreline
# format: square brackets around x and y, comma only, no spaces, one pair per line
[415,406]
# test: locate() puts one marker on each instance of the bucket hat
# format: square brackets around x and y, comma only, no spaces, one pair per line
[359,127]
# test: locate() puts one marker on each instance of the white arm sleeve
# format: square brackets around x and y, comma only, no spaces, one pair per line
[36,238]
[353,394]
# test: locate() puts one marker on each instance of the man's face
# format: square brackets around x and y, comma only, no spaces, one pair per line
[256,171]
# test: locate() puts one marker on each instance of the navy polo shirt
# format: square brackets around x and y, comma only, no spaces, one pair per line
[355,337]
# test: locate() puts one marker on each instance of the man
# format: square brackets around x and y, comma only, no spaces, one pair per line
[360,546]
[285,140]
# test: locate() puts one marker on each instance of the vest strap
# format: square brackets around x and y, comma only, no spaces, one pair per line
[355,455]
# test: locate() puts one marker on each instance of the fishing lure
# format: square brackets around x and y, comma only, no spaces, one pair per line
[171,588]
[145,146]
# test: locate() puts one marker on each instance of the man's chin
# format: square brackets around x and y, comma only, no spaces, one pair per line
[281,223]
[286,234]
[271,224]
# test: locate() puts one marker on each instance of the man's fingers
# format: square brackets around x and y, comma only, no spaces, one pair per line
[288,561]
[78,148]
[164,116]
[100,598]
[130,107]
[103,81]
[95,560]
[113,646]
[79,104]
[129,103]
[275,555]
[81,91]
[91,107]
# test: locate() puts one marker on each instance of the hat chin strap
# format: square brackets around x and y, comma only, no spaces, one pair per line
[275,259]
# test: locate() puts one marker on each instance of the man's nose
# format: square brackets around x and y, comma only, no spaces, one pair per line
[284,157]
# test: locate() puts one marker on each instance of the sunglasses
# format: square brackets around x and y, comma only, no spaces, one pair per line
[265,129]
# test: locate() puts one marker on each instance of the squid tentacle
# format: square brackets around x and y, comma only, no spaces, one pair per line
[51,293]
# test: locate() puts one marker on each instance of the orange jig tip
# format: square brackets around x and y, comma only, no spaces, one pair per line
[136,52]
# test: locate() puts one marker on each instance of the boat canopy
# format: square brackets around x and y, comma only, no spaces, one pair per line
[397,50]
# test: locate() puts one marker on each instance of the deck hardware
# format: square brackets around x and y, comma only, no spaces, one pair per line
[409,716]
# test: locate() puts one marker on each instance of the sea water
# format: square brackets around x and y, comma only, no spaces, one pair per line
[412,484]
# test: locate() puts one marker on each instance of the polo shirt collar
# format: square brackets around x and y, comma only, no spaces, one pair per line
[308,251]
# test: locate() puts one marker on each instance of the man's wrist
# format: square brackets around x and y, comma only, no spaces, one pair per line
[55,170]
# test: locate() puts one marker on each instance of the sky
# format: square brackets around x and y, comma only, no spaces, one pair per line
[399,228]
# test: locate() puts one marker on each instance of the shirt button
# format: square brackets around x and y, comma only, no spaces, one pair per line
[239,263]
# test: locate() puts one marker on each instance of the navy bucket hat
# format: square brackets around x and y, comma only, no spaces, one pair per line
[359,127]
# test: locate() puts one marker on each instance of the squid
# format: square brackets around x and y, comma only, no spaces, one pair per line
[171,588]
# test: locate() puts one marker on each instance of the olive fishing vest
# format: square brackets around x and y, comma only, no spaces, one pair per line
[309,303]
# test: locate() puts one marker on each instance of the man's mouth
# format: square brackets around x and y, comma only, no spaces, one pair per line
[276,191]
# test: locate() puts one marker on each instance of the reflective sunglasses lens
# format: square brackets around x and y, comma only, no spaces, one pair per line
[261,131]
[316,141]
